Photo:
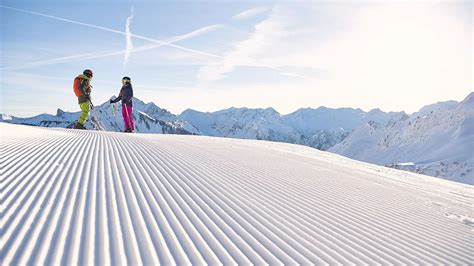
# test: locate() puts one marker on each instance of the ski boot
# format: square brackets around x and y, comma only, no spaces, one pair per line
[78,126]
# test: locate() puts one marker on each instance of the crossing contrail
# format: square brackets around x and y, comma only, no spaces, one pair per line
[158,43]
[86,56]
[116,31]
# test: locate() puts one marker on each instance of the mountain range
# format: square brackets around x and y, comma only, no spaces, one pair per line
[438,140]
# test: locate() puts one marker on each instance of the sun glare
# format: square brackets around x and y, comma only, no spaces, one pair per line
[404,49]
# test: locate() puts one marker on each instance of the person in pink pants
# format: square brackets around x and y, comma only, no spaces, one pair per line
[126,95]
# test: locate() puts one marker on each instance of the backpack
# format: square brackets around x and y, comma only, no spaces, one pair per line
[77,81]
[77,91]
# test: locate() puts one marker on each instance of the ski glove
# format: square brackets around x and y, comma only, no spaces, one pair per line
[116,99]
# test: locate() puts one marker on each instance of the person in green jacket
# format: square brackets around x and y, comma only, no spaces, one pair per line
[82,89]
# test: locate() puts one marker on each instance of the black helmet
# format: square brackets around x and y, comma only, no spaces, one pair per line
[126,79]
[88,73]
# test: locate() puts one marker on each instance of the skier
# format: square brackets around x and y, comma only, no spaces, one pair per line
[126,94]
[82,89]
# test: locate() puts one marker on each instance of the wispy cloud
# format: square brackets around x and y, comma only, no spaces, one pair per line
[289,74]
[266,37]
[128,37]
[250,13]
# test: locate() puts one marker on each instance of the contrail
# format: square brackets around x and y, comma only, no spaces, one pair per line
[117,32]
[128,37]
[49,61]
[195,33]
[63,19]
[250,13]
[86,56]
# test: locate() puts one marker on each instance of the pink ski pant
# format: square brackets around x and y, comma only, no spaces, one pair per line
[127,117]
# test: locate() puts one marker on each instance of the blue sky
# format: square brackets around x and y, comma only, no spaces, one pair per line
[211,55]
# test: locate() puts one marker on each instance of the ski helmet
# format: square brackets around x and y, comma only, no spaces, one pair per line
[126,79]
[88,73]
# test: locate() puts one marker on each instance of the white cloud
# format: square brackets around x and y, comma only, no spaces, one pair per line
[247,52]
[250,13]
[397,56]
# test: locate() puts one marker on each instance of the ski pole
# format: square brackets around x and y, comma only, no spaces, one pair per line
[97,118]
[114,111]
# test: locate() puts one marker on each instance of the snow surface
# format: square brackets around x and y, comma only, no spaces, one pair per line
[92,197]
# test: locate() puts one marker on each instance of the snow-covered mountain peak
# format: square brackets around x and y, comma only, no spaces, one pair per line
[233,111]
[375,111]
[397,117]
[323,118]
[190,111]
[158,113]
[60,113]
[6,118]
[271,110]
[469,100]
[448,105]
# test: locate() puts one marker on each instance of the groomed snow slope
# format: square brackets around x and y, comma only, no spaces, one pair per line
[83,197]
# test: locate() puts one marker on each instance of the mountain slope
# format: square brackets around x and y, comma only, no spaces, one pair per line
[92,197]
[438,141]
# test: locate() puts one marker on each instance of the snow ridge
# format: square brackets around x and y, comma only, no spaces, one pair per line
[91,197]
